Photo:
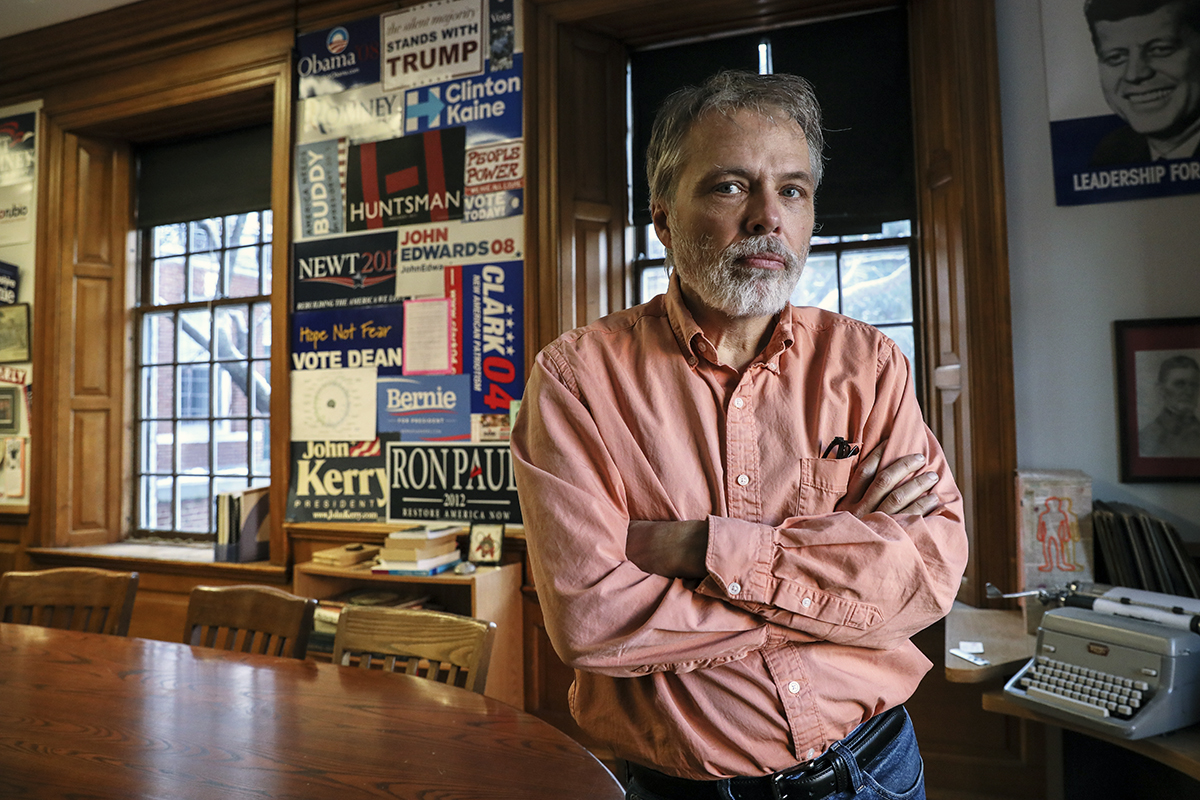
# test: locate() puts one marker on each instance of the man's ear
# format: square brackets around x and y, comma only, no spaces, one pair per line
[660,216]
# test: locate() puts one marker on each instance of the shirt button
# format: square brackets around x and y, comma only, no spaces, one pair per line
[738,402]
[743,479]
[806,602]
[735,588]
[794,687]
[809,755]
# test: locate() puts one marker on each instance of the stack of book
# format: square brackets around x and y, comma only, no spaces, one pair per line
[423,548]
[1141,551]
[243,526]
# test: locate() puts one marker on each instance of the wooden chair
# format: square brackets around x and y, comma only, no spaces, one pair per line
[430,644]
[250,619]
[72,598]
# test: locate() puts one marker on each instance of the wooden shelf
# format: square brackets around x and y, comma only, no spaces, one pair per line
[1178,749]
[491,593]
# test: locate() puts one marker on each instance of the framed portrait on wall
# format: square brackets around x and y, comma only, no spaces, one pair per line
[14,333]
[1158,390]
[10,406]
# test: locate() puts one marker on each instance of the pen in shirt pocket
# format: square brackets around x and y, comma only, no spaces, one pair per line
[840,448]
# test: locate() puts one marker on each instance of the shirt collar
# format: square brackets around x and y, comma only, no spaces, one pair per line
[691,338]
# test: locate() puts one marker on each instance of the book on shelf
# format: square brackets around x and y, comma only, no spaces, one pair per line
[415,550]
[414,530]
[243,525]
[1141,551]
[424,566]
[345,555]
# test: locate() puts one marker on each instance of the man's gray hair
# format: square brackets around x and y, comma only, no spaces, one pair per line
[727,93]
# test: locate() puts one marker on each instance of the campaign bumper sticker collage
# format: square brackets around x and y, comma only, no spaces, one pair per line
[407,346]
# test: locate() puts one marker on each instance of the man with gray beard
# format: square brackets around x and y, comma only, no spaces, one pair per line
[736,515]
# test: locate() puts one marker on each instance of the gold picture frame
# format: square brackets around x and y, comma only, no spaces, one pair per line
[14,333]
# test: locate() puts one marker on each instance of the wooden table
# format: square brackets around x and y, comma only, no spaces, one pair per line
[1006,644]
[94,716]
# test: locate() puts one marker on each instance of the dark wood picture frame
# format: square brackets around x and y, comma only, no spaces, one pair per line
[1158,387]
[10,409]
[14,334]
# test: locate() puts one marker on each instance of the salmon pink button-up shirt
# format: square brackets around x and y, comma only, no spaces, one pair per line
[801,629]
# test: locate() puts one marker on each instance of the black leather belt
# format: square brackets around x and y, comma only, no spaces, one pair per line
[816,779]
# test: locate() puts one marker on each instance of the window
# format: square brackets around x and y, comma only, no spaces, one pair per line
[204,381]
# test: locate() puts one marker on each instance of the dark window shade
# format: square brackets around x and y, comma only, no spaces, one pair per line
[229,173]
[859,69]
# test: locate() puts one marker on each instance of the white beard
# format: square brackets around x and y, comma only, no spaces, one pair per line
[721,283]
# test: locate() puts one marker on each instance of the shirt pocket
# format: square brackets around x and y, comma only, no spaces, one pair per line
[822,483]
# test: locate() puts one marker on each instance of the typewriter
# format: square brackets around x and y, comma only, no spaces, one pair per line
[1124,662]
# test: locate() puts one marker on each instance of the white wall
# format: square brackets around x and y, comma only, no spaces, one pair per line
[1074,270]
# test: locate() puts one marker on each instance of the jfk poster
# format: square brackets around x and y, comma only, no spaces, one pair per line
[1124,100]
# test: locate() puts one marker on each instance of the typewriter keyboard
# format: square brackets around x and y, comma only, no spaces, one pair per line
[1084,691]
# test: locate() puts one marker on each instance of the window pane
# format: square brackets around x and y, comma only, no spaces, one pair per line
[170,240]
[194,447]
[157,446]
[205,277]
[261,345]
[157,392]
[158,338]
[260,388]
[902,335]
[232,453]
[233,333]
[242,269]
[192,390]
[229,390]
[877,285]
[654,248]
[242,229]
[654,282]
[260,448]
[167,280]
[195,329]
[899,229]
[266,269]
[818,284]
[206,235]
[156,503]
[193,503]
[266,219]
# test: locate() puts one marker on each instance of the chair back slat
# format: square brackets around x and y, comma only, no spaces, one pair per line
[71,598]
[250,619]
[437,646]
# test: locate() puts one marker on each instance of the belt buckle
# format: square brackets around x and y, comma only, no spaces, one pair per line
[788,774]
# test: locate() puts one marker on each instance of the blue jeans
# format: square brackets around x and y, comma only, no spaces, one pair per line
[897,773]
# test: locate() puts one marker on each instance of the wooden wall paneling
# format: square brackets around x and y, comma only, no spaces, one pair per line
[91,315]
[964,271]
[281,407]
[969,752]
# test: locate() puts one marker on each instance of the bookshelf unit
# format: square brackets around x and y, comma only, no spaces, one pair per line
[491,593]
